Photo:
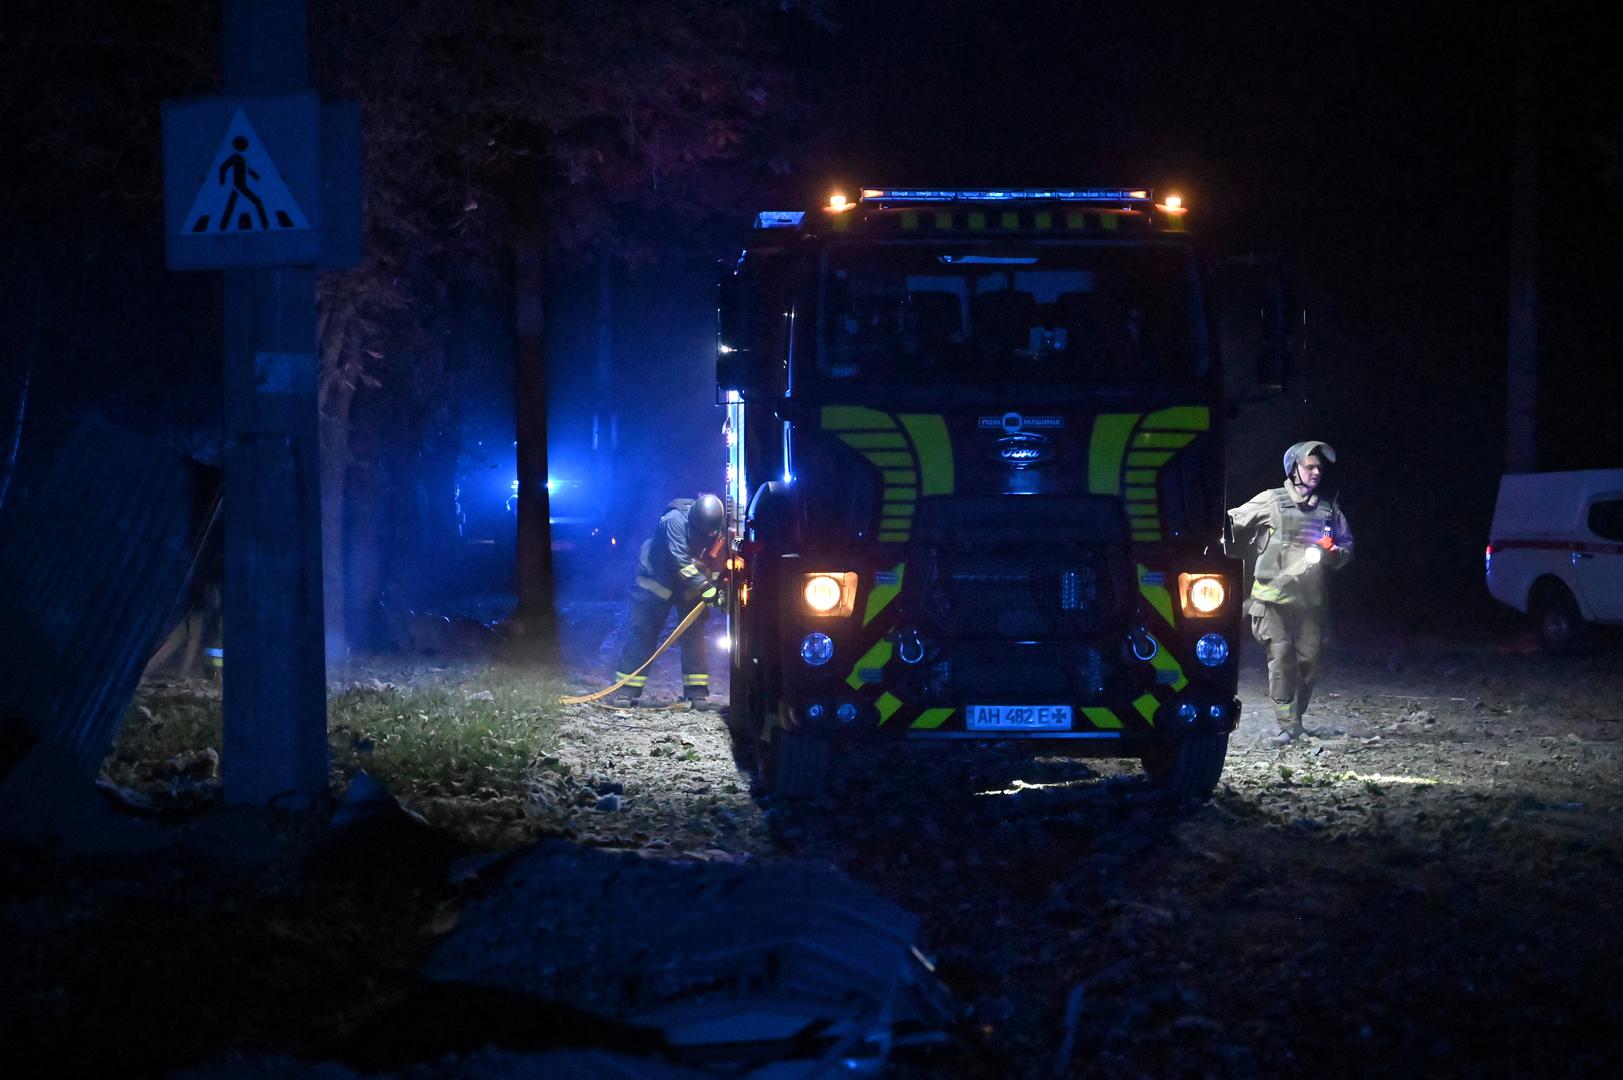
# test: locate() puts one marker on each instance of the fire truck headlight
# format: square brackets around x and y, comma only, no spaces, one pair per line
[830,594]
[1212,649]
[816,649]
[1201,595]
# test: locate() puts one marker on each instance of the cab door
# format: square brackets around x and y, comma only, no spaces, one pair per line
[1597,562]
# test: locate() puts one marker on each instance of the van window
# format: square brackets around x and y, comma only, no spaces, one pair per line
[1606,519]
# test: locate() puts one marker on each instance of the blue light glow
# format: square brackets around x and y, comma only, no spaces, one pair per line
[846,712]
[1187,712]
[817,648]
[815,712]
[1212,649]
[779,219]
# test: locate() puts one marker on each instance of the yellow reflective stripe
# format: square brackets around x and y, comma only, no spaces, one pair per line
[875,440]
[1171,440]
[901,495]
[1158,596]
[943,220]
[695,680]
[934,445]
[1143,510]
[1140,493]
[855,417]
[1101,718]
[1105,452]
[875,657]
[977,220]
[1150,534]
[1267,592]
[1141,476]
[895,523]
[906,477]
[910,219]
[887,705]
[688,570]
[1149,457]
[1146,707]
[930,719]
[880,595]
[1165,661]
[631,680]
[1181,417]
[654,587]
[892,537]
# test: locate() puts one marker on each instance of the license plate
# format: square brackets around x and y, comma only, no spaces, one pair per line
[1017,717]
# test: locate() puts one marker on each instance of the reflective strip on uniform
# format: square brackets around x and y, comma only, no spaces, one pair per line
[695,680]
[654,587]
[631,680]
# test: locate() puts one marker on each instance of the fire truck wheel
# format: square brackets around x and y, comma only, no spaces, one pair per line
[1189,768]
[795,766]
[1556,618]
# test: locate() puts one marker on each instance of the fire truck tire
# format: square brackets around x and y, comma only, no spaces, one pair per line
[1189,768]
[795,766]
[1556,619]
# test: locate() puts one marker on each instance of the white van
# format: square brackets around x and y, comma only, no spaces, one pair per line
[1556,551]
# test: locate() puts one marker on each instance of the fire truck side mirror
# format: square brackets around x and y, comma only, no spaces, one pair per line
[1260,325]
[737,329]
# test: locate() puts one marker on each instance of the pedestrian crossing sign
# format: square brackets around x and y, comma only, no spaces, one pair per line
[243,189]
[243,181]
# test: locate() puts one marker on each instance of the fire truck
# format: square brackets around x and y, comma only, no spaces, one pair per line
[975,447]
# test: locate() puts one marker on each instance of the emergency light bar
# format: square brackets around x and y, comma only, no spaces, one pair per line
[1110,195]
[779,219]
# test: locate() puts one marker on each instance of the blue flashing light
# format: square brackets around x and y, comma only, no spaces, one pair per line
[1215,712]
[1144,646]
[817,648]
[815,712]
[846,712]
[779,219]
[1212,649]
[1187,712]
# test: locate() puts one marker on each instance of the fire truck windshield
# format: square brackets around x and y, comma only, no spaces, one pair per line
[1099,315]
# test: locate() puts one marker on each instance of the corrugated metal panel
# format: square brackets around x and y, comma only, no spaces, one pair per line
[94,551]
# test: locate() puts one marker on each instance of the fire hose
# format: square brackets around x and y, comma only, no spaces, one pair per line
[681,628]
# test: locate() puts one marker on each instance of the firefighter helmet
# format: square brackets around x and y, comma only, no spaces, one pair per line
[707,517]
[1296,453]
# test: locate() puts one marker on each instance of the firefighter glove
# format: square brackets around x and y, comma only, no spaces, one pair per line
[1327,542]
[712,595]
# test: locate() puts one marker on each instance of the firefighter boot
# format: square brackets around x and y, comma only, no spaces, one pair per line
[704,704]
[1290,725]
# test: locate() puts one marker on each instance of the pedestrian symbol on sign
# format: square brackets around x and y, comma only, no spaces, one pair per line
[243,190]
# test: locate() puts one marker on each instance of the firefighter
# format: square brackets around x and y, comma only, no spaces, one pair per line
[1296,535]
[677,568]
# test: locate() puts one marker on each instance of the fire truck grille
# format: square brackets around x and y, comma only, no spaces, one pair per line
[1018,596]
[1012,671]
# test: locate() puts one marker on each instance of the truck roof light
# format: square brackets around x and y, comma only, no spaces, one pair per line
[779,219]
[1174,202]
[839,203]
[1105,195]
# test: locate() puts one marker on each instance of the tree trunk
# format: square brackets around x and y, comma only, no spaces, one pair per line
[339,371]
[535,587]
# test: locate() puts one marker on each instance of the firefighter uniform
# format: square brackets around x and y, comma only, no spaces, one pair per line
[672,572]
[1296,537]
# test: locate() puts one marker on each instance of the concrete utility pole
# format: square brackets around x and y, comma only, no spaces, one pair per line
[1521,374]
[275,702]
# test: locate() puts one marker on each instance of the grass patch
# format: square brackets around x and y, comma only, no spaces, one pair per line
[469,732]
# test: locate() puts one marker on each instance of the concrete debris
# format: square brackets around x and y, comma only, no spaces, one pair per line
[748,965]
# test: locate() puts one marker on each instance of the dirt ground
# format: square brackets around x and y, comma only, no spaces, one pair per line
[1432,886]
